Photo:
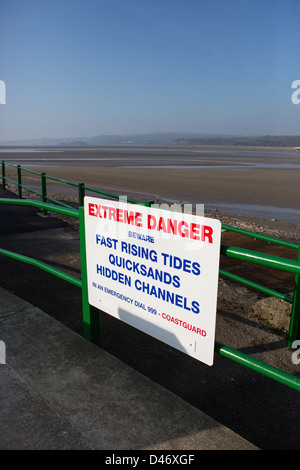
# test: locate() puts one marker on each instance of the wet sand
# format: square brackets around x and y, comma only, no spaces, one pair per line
[253,186]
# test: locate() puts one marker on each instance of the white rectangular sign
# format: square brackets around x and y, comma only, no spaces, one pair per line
[156,270]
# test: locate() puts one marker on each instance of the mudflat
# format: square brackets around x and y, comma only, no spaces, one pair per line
[246,186]
[203,175]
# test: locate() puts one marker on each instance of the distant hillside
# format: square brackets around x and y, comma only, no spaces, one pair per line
[155,138]
[162,138]
[255,141]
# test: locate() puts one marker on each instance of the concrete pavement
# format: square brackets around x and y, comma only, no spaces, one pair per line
[58,391]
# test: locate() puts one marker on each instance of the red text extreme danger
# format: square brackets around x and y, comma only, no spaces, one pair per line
[172,226]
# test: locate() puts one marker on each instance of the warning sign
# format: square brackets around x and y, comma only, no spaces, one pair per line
[156,270]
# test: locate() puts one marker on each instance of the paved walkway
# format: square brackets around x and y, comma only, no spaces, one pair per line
[58,391]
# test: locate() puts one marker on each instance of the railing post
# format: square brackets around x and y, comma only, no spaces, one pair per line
[149,203]
[44,190]
[19,182]
[294,330]
[81,193]
[90,314]
[3,174]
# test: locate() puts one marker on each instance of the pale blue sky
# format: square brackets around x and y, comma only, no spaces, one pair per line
[90,67]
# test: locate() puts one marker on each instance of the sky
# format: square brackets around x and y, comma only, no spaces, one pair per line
[83,68]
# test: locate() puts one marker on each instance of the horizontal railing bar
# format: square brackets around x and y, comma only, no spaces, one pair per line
[256,257]
[10,164]
[115,196]
[39,264]
[31,190]
[260,236]
[98,191]
[22,168]
[11,181]
[256,286]
[42,205]
[30,171]
[258,366]
[57,202]
[60,180]
[39,174]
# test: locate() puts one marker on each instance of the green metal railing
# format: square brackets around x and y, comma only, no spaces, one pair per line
[91,316]
[49,207]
